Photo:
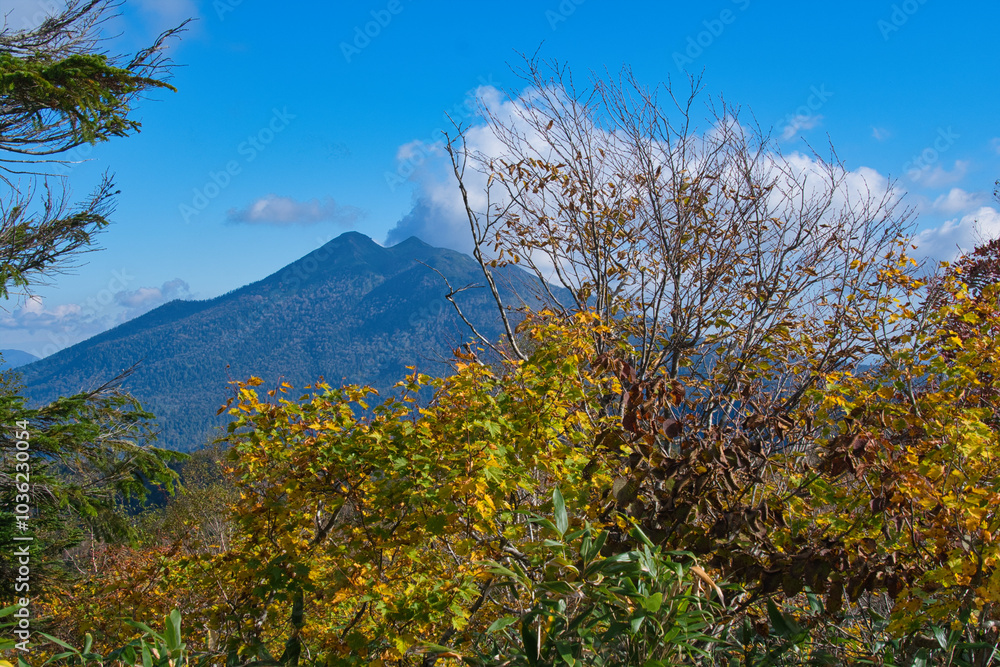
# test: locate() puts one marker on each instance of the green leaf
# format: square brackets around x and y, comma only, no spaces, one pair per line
[500,570]
[545,523]
[941,636]
[436,524]
[172,631]
[530,641]
[557,587]
[636,622]
[596,546]
[145,628]
[653,602]
[128,655]
[7,611]
[559,505]
[501,623]
[642,537]
[565,651]
[780,622]
[814,602]
[59,642]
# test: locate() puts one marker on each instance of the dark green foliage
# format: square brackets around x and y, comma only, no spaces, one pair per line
[584,607]
[152,648]
[89,455]
[90,94]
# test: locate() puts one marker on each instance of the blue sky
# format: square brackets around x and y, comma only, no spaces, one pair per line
[291,125]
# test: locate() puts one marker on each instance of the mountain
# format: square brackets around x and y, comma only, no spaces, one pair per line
[351,311]
[14,358]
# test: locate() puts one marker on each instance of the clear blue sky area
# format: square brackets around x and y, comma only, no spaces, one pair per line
[289,118]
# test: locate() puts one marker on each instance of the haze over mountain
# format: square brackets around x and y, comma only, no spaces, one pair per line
[14,358]
[351,311]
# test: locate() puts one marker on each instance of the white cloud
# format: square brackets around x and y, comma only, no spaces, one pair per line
[33,314]
[142,300]
[995,145]
[799,123]
[939,177]
[46,329]
[274,210]
[958,200]
[439,217]
[960,234]
[51,328]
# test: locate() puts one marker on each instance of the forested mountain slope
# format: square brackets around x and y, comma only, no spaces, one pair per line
[350,311]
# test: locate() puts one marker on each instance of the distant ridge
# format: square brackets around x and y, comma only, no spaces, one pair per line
[14,358]
[350,311]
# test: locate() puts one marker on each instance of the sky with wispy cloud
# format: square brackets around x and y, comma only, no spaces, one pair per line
[293,123]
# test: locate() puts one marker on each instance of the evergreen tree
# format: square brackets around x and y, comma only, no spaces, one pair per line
[71,465]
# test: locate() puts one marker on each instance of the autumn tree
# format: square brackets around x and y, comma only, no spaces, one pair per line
[918,436]
[700,243]
[363,524]
[731,279]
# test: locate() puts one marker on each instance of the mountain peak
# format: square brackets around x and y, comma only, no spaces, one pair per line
[351,310]
[352,234]
[350,247]
[410,243]
[353,239]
